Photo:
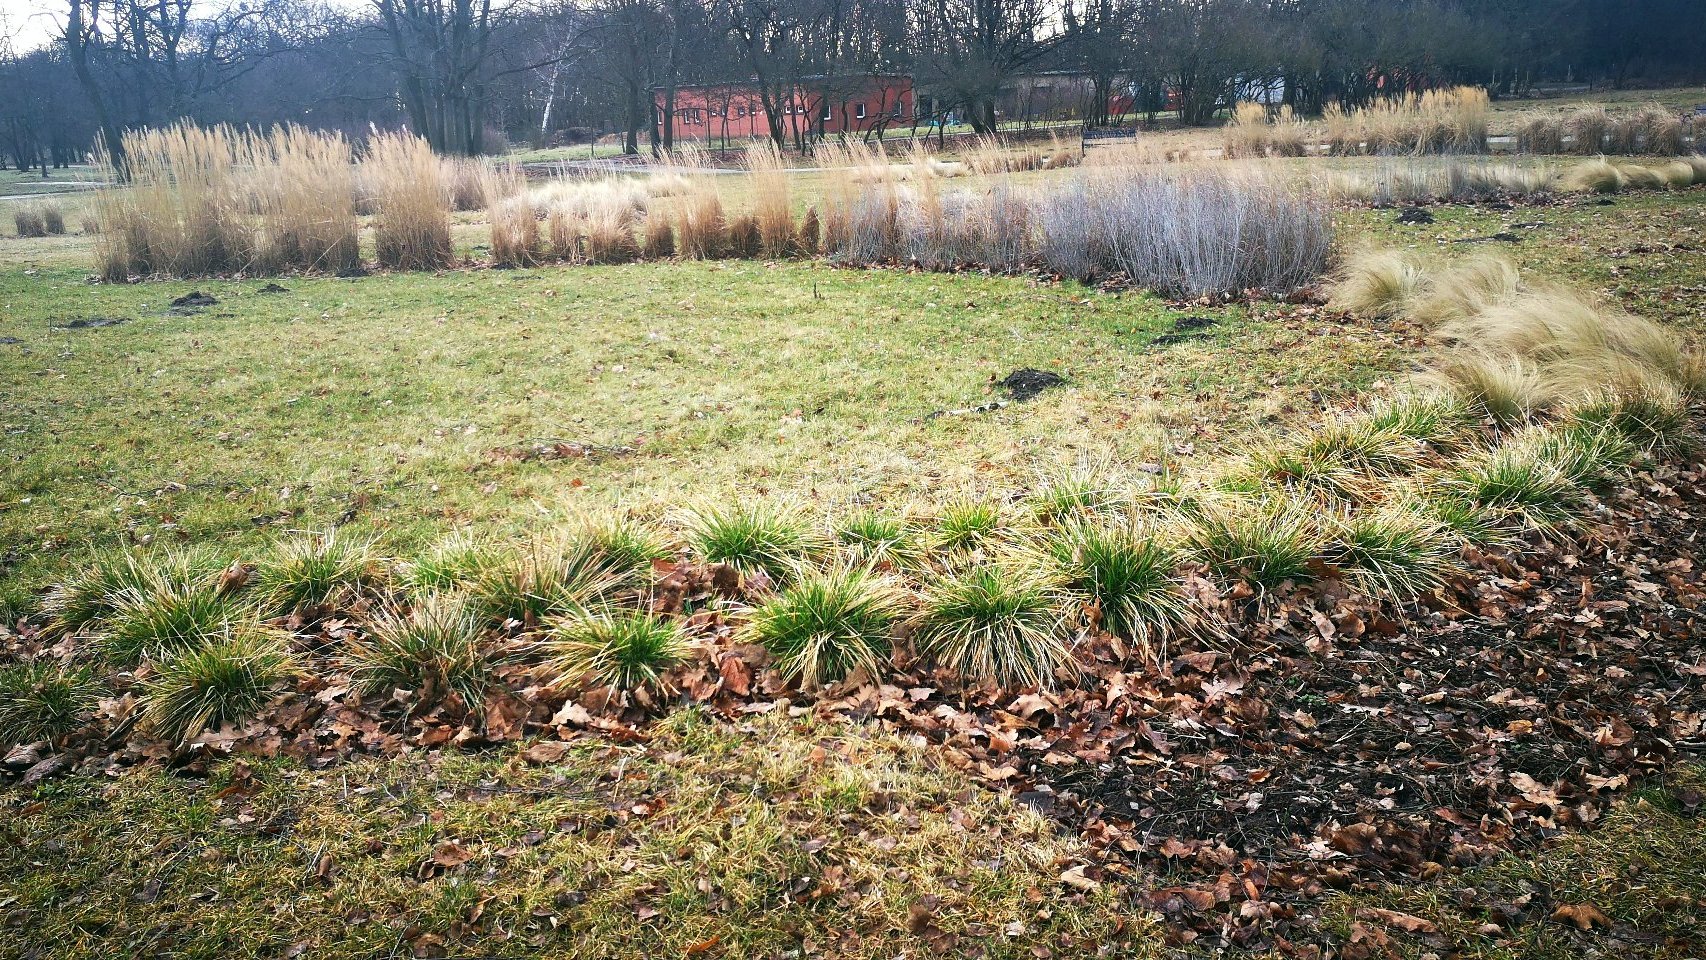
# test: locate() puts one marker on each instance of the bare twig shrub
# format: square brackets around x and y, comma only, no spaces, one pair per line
[413,227]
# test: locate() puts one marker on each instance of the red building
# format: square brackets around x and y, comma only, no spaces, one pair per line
[815,107]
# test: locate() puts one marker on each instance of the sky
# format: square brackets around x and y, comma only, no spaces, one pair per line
[29,23]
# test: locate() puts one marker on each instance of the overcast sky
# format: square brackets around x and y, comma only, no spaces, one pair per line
[28,23]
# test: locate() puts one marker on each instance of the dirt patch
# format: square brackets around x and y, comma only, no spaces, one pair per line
[1026,382]
[90,323]
[1415,216]
[273,288]
[192,302]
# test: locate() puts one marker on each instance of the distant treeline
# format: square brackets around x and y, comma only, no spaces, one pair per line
[475,76]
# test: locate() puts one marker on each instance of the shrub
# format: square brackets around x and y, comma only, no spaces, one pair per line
[44,701]
[1262,543]
[1129,578]
[828,624]
[751,537]
[624,651]
[967,524]
[550,579]
[413,227]
[434,650]
[1382,283]
[1392,553]
[997,622]
[216,683]
[165,619]
[317,571]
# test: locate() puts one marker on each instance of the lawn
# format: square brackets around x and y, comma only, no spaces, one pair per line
[907,818]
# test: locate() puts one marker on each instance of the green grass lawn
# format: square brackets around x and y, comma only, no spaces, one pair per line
[400,402]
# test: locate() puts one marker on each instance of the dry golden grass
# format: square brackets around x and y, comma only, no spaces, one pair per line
[306,184]
[179,207]
[1465,289]
[412,230]
[772,209]
[1379,283]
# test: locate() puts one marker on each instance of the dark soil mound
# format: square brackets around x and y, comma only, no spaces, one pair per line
[1026,382]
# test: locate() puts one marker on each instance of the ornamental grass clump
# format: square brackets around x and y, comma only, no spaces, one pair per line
[317,571]
[225,680]
[163,619]
[623,650]
[412,229]
[828,624]
[1127,576]
[1262,542]
[40,700]
[998,622]
[754,537]
[435,649]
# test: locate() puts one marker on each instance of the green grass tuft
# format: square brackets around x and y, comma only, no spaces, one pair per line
[220,682]
[40,700]
[623,650]
[164,619]
[1395,553]
[829,623]
[550,579]
[878,539]
[452,563]
[999,621]
[435,649]
[1519,483]
[1435,418]
[966,525]
[1084,490]
[93,593]
[1129,577]
[1651,420]
[316,571]
[752,537]
[1263,543]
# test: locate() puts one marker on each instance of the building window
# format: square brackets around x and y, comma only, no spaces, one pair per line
[858,111]
[828,113]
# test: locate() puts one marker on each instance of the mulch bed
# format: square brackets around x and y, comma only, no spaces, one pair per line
[1310,742]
